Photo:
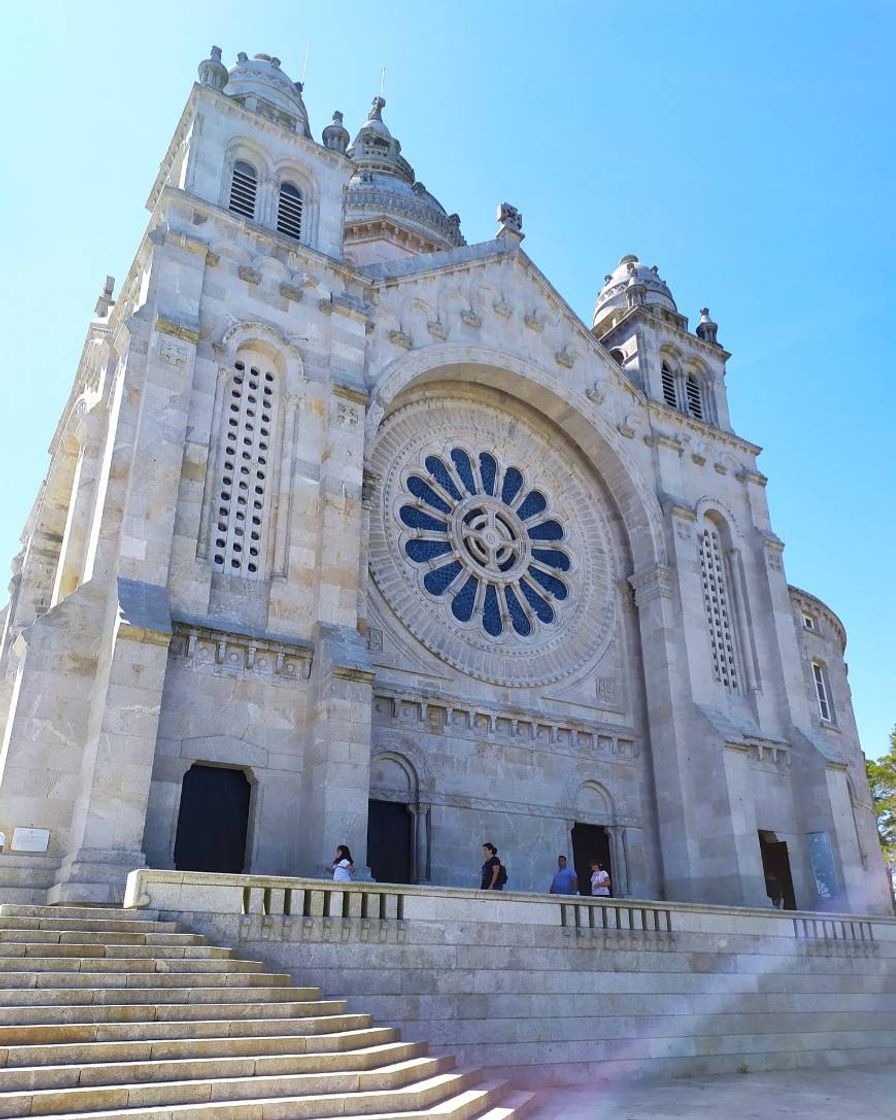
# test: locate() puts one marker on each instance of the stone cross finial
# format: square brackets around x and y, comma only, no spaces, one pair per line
[105,303]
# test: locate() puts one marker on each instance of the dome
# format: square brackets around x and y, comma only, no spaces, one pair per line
[261,76]
[631,283]
[384,186]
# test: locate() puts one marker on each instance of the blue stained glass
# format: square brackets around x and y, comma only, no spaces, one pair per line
[417,519]
[546,531]
[439,472]
[513,483]
[461,460]
[420,551]
[541,607]
[521,623]
[488,468]
[464,601]
[436,582]
[549,583]
[533,504]
[491,613]
[552,557]
[425,493]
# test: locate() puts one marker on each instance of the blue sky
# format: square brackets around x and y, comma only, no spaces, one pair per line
[747,149]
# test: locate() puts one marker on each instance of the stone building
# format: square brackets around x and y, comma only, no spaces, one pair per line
[355,533]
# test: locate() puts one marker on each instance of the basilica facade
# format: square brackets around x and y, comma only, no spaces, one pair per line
[354,533]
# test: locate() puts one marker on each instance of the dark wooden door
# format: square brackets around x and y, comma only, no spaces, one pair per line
[776,863]
[389,841]
[590,841]
[213,820]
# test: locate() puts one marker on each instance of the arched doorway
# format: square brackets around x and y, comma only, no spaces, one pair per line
[213,821]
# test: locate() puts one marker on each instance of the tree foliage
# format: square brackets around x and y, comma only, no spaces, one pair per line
[882,780]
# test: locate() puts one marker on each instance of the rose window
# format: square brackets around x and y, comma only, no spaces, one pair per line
[485,542]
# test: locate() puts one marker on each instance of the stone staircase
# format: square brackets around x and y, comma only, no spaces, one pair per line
[113,1013]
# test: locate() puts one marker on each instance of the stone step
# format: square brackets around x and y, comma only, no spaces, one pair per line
[84,987]
[87,925]
[465,1105]
[146,1006]
[85,1073]
[66,966]
[429,1099]
[331,1088]
[157,1048]
[87,937]
[91,912]
[41,1034]
[98,950]
[513,1106]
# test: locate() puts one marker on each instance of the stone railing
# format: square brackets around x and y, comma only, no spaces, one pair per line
[324,900]
[614,914]
[833,929]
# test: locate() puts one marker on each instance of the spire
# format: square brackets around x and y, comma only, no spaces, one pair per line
[105,303]
[213,72]
[335,136]
[706,328]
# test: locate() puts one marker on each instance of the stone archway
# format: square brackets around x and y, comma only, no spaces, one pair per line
[394,785]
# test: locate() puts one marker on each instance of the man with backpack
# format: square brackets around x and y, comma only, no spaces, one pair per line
[494,873]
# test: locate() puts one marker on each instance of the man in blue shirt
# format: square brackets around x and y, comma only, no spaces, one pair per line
[564,881]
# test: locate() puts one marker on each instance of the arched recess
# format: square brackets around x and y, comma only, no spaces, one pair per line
[243,348]
[566,405]
[396,780]
[288,171]
[596,832]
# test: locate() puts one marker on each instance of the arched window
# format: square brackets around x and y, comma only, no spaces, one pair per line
[241,512]
[669,395]
[289,211]
[694,395]
[243,189]
[717,601]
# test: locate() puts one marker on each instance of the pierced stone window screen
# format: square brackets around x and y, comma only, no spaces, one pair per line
[694,396]
[821,692]
[289,211]
[243,189]
[669,394]
[717,601]
[242,497]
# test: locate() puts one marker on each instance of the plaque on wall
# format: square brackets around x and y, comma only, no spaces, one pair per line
[30,839]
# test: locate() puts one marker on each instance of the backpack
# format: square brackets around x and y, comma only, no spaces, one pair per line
[502,876]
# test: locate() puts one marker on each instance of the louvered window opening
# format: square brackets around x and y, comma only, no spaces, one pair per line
[243,491]
[243,189]
[289,211]
[821,692]
[695,398]
[669,395]
[716,599]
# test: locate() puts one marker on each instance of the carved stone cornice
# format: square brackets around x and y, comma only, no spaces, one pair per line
[184,331]
[652,583]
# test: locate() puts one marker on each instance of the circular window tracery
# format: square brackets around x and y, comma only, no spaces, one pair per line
[488,539]
[486,542]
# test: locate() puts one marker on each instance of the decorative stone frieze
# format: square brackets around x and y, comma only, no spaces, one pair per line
[204,649]
[291,292]
[459,718]
[186,331]
[250,275]
[652,583]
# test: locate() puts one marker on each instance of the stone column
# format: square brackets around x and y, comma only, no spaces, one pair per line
[420,871]
[619,858]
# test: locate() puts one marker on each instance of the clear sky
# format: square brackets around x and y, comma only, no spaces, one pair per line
[745,148]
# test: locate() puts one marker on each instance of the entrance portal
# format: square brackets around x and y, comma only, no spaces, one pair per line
[389,841]
[213,820]
[776,867]
[590,841]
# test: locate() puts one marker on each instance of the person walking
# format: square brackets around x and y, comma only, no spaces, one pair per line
[343,865]
[600,880]
[494,875]
[565,880]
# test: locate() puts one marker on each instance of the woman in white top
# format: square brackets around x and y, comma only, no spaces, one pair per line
[600,880]
[343,867]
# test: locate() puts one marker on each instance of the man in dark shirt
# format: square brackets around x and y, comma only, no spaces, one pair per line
[491,869]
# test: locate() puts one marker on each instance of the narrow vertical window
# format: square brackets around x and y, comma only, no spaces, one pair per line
[243,189]
[717,601]
[694,397]
[243,497]
[669,394]
[289,211]
[821,692]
